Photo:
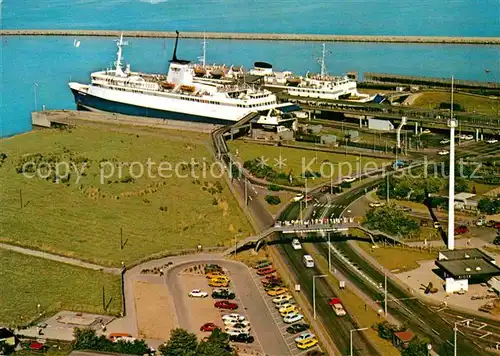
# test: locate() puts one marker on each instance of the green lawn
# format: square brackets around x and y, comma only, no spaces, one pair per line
[28,281]
[84,220]
[298,161]
[397,258]
[480,104]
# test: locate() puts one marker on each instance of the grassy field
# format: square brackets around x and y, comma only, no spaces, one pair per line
[296,160]
[83,219]
[479,104]
[285,197]
[356,307]
[28,281]
[397,259]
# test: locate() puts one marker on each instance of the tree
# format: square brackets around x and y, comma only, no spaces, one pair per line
[6,349]
[272,200]
[86,339]
[416,347]
[217,344]
[181,343]
[392,220]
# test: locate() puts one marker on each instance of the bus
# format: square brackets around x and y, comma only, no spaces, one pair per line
[308,261]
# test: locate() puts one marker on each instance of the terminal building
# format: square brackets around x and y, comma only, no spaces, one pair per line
[459,268]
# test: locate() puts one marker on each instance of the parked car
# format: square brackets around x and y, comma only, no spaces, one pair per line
[225,304]
[292,318]
[218,283]
[426,131]
[234,322]
[238,328]
[277,291]
[444,141]
[212,267]
[296,244]
[492,140]
[233,316]
[270,279]
[197,293]
[307,344]
[315,353]
[246,338]
[289,309]
[261,264]
[282,297]
[377,204]
[462,229]
[266,270]
[213,274]
[223,294]
[437,225]
[208,327]
[297,328]
[304,336]
[443,152]
[349,179]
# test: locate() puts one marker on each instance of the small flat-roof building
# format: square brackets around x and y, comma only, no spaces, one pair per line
[461,267]
[466,201]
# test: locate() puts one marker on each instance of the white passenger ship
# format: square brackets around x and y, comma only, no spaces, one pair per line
[321,86]
[178,95]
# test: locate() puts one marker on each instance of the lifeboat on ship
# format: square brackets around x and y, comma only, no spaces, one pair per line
[218,73]
[188,88]
[167,85]
[199,71]
[293,81]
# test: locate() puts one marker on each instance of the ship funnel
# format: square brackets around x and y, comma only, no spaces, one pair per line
[174,57]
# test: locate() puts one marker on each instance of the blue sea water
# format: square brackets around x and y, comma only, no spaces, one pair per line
[37,69]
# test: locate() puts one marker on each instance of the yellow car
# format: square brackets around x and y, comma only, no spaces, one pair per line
[220,279]
[289,310]
[218,283]
[214,274]
[277,291]
[307,344]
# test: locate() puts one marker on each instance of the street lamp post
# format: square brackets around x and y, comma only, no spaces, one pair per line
[455,334]
[329,255]
[314,293]
[350,338]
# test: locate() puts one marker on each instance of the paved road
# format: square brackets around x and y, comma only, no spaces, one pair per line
[58,258]
[249,296]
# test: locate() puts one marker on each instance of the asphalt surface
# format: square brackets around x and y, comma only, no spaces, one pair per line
[251,303]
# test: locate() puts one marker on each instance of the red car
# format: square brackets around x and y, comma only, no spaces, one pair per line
[225,304]
[461,230]
[267,270]
[209,327]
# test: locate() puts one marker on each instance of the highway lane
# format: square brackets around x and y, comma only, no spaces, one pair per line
[338,328]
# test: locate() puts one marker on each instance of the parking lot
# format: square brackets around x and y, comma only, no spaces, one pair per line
[278,320]
[194,312]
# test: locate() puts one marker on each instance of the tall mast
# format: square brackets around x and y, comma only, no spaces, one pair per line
[323,66]
[203,59]
[452,124]
[119,56]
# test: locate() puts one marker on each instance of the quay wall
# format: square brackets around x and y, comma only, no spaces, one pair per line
[260,36]
[386,78]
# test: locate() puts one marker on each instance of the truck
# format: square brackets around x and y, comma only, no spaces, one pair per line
[337,307]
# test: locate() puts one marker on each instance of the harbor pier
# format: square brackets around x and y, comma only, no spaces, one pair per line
[259,36]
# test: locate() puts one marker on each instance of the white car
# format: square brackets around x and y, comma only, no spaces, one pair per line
[443,153]
[243,330]
[377,204]
[292,318]
[233,316]
[197,293]
[444,142]
[234,332]
[349,179]
[468,137]
[296,244]
[426,131]
[298,197]
[232,322]
[492,140]
[304,336]
[282,297]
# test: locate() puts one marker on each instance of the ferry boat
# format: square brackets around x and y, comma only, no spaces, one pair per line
[177,95]
[320,86]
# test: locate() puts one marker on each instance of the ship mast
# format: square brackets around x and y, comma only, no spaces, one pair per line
[204,51]
[119,56]
[323,66]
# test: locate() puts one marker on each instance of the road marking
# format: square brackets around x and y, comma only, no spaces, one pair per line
[487,334]
[435,332]
[482,326]
[421,320]
[448,341]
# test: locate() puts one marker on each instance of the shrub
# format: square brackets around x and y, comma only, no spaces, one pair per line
[273,200]
[274,188]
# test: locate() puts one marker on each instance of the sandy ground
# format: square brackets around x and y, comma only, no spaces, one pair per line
[155,313]
[202,310]
[424,274]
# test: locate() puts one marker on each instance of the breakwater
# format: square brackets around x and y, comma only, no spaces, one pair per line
[385,78]
[261,36]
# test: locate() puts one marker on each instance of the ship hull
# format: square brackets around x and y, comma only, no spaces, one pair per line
[86,101]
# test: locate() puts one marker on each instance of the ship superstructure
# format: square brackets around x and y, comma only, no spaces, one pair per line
[177,95]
